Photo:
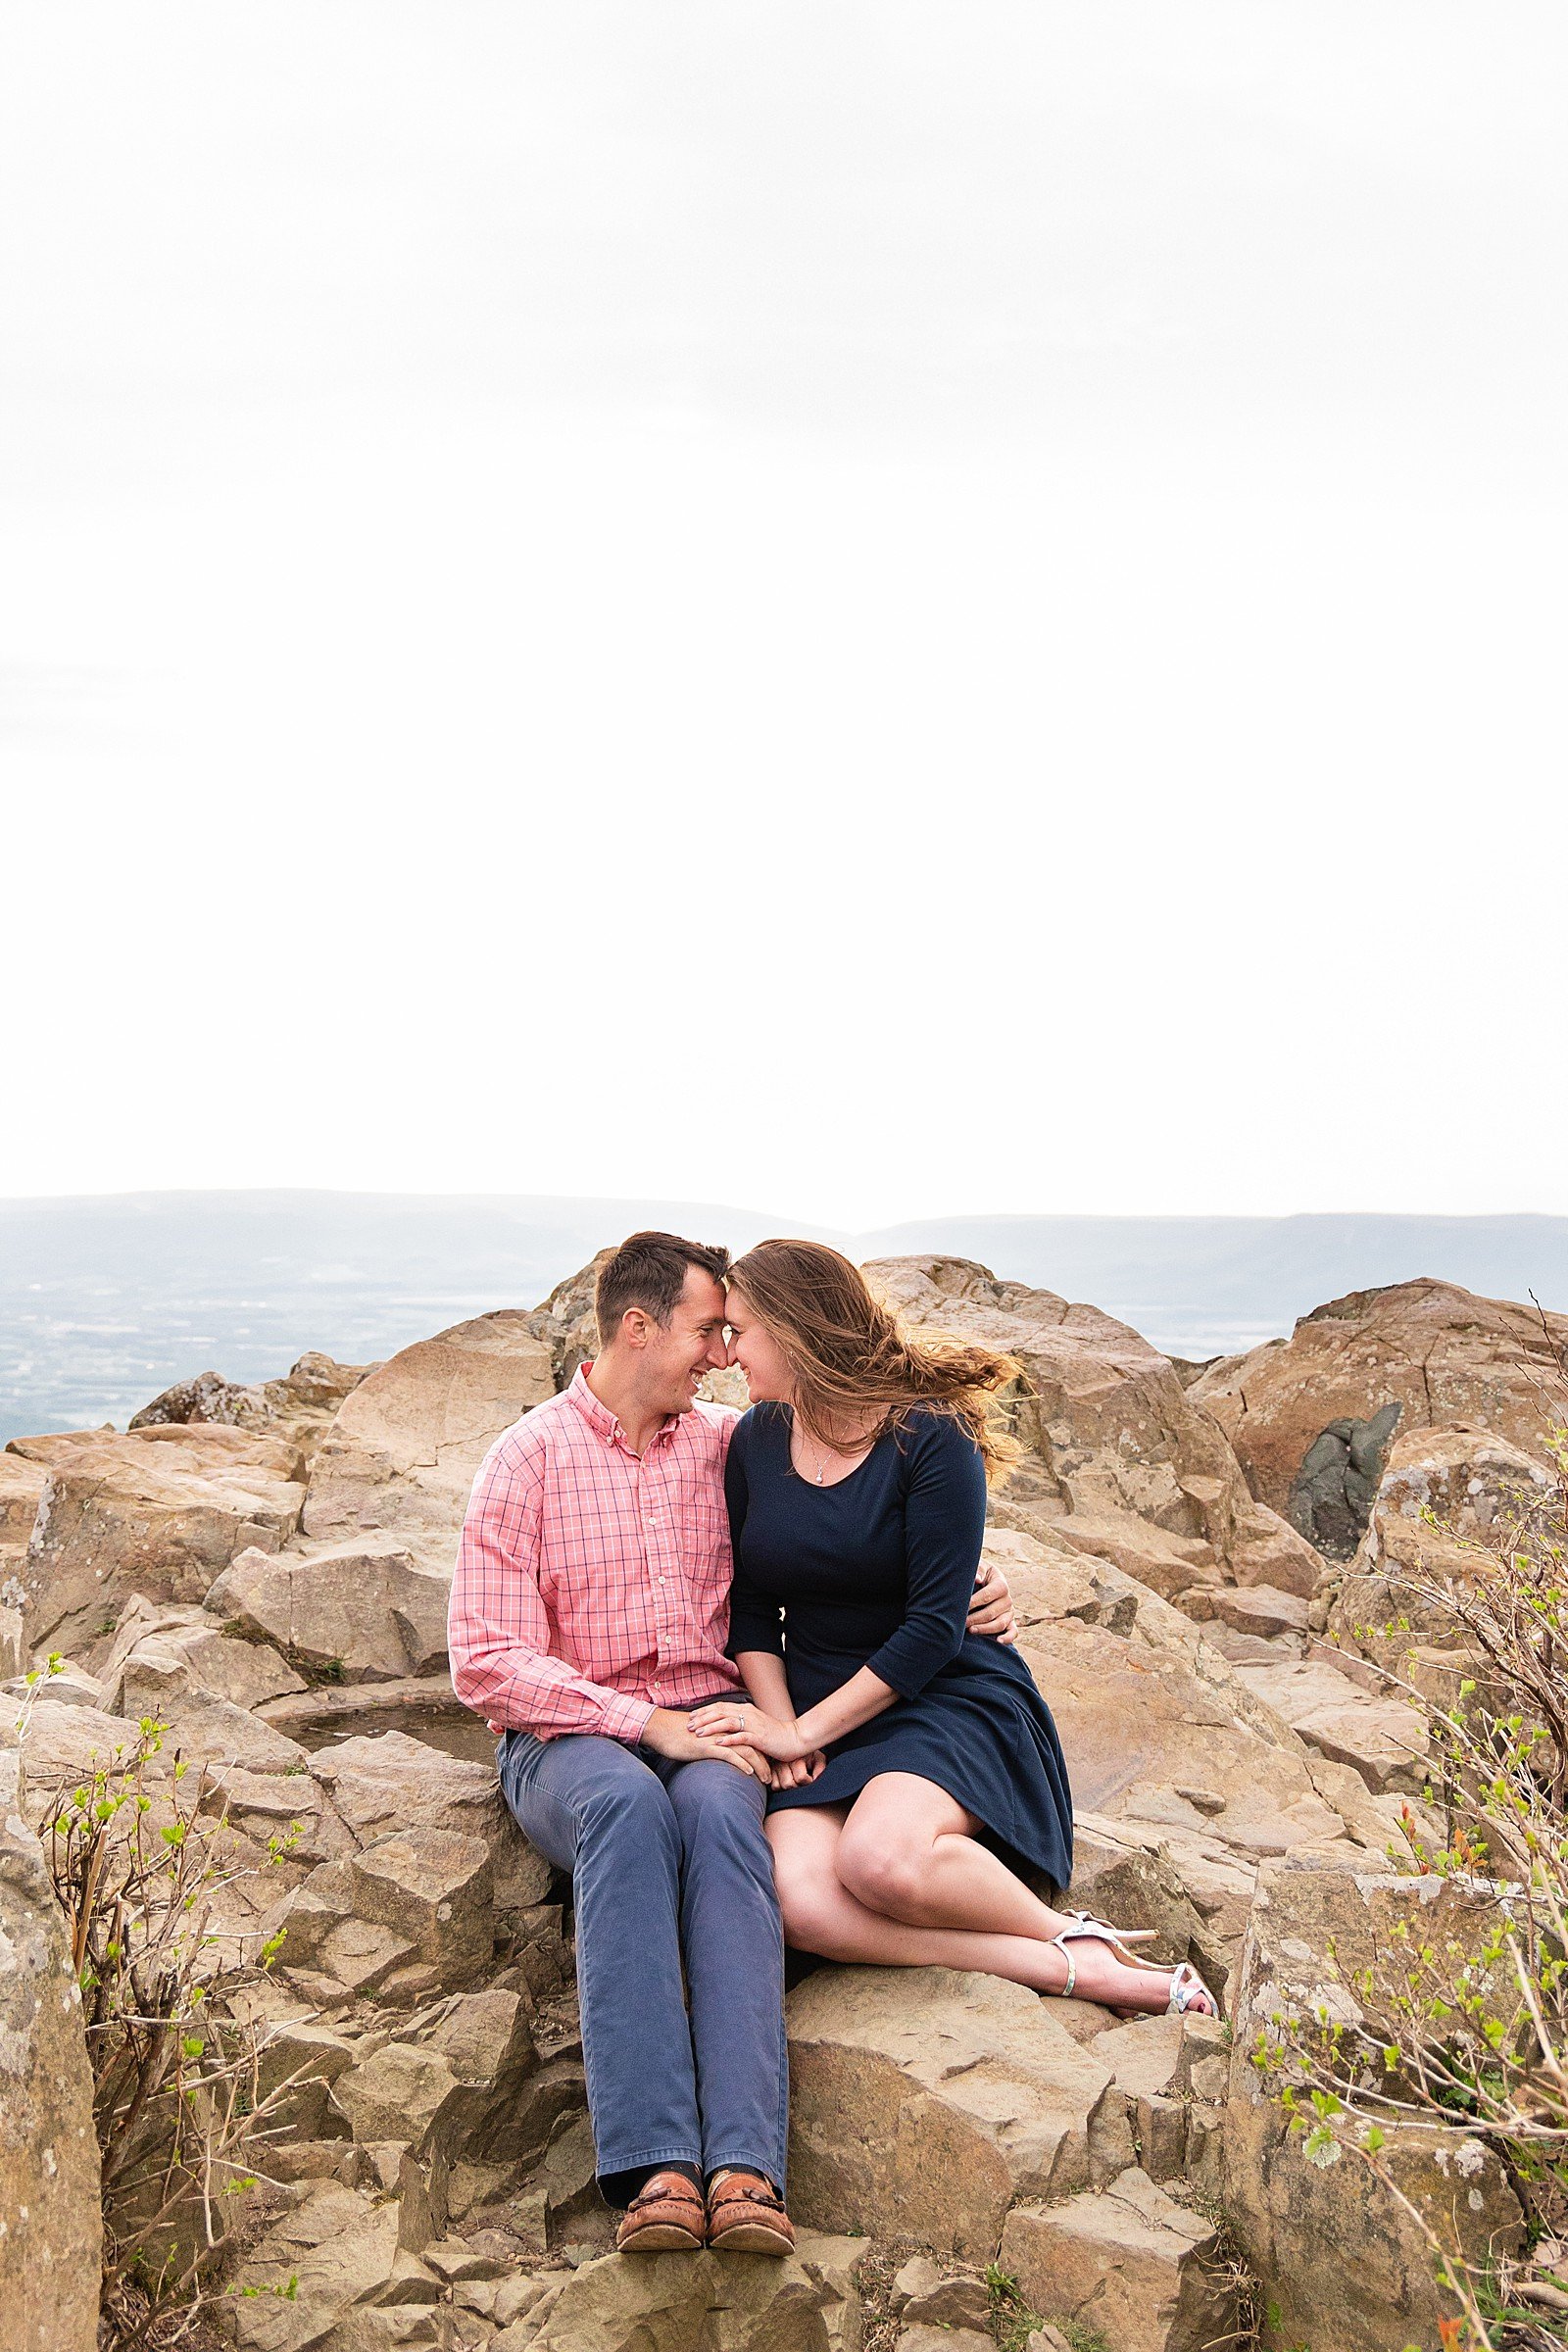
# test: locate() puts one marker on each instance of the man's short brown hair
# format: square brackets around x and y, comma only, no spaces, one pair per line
[648,1270]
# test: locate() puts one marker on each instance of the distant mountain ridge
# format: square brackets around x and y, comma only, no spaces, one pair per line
[105,1301]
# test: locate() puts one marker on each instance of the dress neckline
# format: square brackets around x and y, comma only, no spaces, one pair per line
[827,1486]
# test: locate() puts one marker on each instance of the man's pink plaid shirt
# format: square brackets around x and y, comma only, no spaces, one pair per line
[593,1586]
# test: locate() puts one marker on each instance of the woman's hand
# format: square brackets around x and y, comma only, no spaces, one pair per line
[801,1771]
[738,1723]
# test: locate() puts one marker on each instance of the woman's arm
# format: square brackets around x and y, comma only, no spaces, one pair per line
[780,1733]
[756,1623]
[764,1677]
[763,1673]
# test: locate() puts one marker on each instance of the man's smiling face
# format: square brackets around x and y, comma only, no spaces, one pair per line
[677,1354]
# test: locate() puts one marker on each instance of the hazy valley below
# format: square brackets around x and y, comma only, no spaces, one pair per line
[103,1301]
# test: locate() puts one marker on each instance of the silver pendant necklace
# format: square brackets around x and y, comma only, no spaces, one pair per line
[821,1465]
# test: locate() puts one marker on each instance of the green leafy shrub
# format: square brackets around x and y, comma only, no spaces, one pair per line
[140,1853]
[1465,2033]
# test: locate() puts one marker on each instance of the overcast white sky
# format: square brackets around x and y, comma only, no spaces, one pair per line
[876,609]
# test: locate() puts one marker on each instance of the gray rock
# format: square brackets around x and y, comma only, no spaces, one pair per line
[50,2238]
[1332,1495]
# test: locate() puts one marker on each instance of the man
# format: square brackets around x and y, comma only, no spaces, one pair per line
[589,1615]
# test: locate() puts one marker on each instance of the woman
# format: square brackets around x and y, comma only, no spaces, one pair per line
[915,1769]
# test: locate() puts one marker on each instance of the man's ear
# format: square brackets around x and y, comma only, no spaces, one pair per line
[635,1326]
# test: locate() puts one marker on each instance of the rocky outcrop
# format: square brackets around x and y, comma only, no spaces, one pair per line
[49,2220]
[1382,1738]
[1436,1353]
[301,1406]
[966,2093]
[1128,2263]
[406,1444]
[1333,1941]
[1446,1498]
[669,2302]
[160,1655]
[277,1594]
[1168,1750]
[159,1513]
[1109,1430]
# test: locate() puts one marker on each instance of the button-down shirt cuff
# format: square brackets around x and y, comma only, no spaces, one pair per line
[627,1719]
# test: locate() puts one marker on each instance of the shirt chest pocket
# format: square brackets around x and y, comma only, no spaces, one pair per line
[704,1540]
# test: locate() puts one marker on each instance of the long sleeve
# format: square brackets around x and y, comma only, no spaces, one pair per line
[498,1625]
[754,1621]
[945,1516]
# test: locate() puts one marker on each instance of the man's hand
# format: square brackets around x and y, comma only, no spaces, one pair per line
[991,1610]
[801,1771]
[665,1732]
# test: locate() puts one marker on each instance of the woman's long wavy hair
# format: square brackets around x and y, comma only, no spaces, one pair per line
[847,1354]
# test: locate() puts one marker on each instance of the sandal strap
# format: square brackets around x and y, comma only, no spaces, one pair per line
[1185,1986]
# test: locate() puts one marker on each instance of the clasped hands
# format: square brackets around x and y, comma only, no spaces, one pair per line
[771,1746]
[741,1723]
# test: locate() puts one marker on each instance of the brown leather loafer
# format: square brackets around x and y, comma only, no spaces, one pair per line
[667,2216]
[745,2215]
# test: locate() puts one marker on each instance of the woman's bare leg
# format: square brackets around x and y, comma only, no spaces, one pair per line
[822,1916]
[909,1851]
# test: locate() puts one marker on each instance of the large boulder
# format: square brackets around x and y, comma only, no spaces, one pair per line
[186,1654]
[157,1511]
[1445,1498]
[1342,2259]
[50,2228]
[1108,1428]
[1415,1355]
[673,2302]
[964,2092]
[1161,1734]
[471,2090]
[403,1452]
[1128,2263]
[381,1785]
[371,1612]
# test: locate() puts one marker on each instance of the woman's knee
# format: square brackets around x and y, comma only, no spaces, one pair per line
[886,1876]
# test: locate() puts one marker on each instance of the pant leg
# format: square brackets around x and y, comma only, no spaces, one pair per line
[595,1808]
[733,1940]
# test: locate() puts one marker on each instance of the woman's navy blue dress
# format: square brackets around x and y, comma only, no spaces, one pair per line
[879,1571]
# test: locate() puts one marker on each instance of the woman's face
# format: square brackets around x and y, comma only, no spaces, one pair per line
[758,1355]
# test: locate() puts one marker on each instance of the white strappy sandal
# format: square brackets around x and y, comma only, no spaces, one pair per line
[1187,1987]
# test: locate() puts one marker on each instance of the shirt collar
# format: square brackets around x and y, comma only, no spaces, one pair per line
[602,1420]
